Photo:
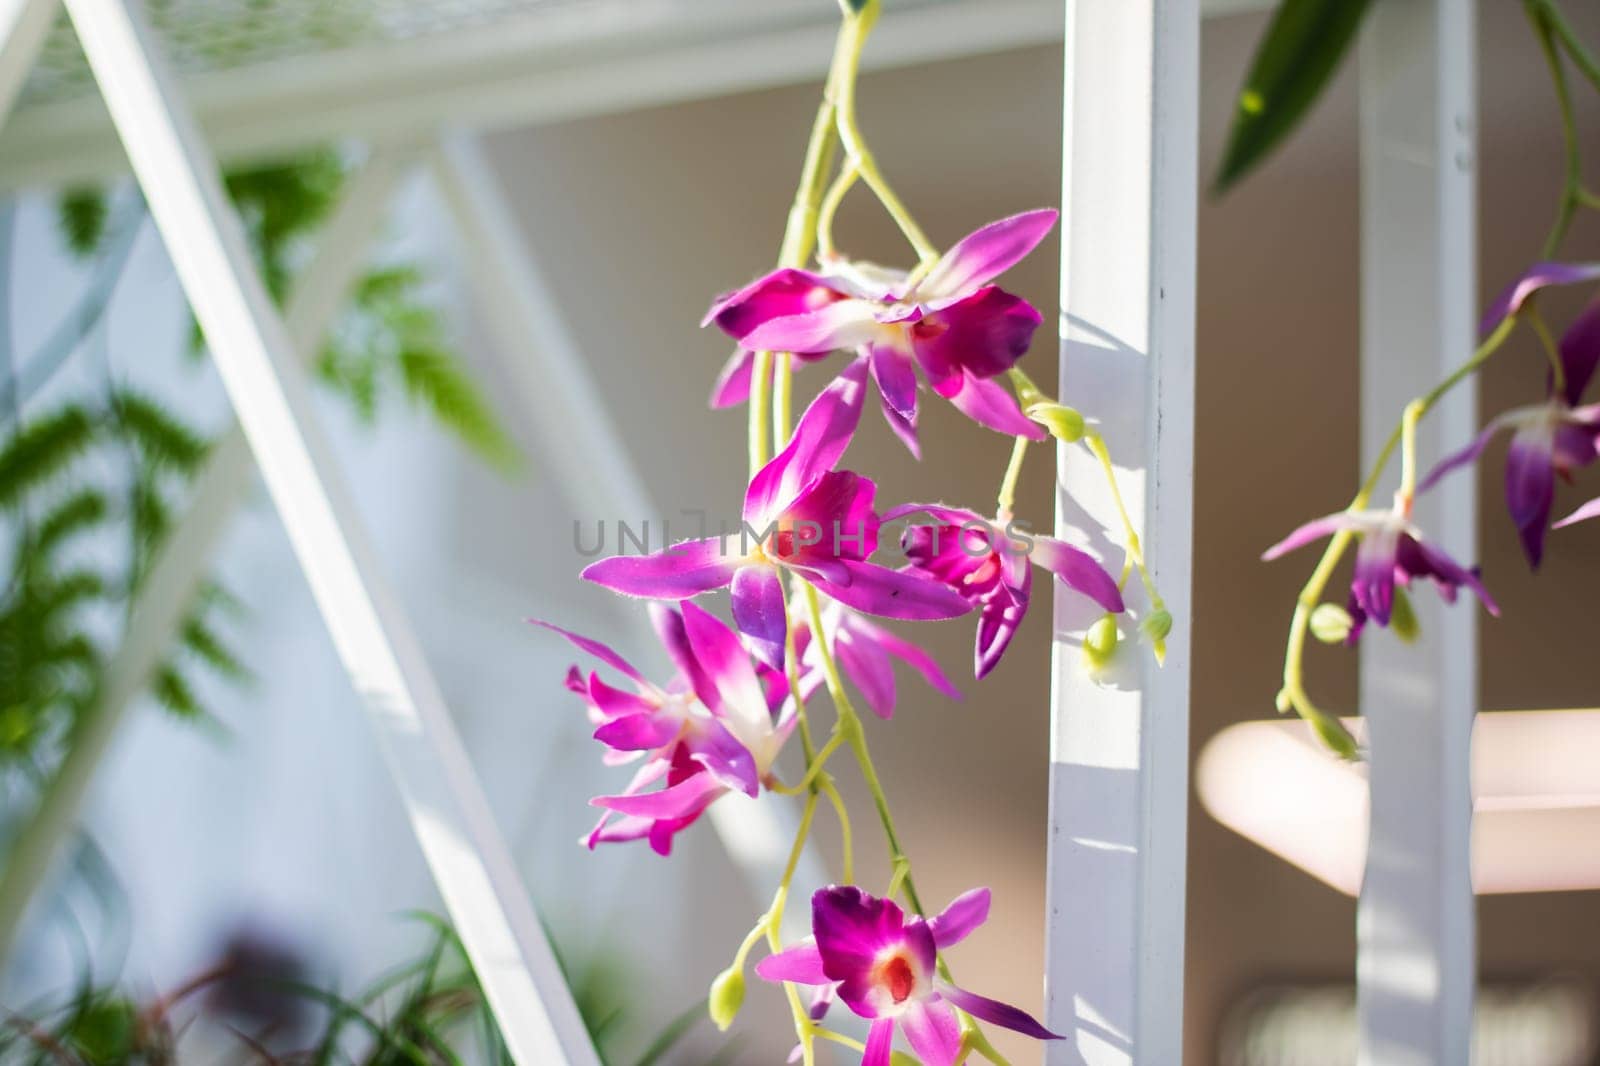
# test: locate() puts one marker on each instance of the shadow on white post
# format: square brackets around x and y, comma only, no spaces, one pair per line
[450,815]
[1119,751]
[1416,968]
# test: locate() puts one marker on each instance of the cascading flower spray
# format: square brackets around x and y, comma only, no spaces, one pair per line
[1552,438]
[802,584]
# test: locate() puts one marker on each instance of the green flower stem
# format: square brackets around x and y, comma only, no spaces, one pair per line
[829,789]
[1543,15]
[1007,499]
[1581,57]
[857,26]
[1097,447]
[814,764]
[1293,694]
[842,184]
[1552,351]
[803,1027]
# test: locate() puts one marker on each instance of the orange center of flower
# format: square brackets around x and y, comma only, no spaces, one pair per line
[897,976]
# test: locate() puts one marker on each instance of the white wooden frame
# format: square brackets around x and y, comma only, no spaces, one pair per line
[1119,754]
[1416,968]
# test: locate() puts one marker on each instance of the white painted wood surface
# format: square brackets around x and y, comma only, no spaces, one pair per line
[542,63]
[1416,966]
[448,811]
[23,26]
[1120,747]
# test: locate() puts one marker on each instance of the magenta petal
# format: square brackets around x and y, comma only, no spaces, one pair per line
[1373,580]
[800,964]
[733,383]
[964,914]
[1314,530]
[903,426]
[998,621]
[1418,558]
[1582,514]
[985,254]
[734,684]
[779,294]
[683,570]
[832,520]
[989,404]
[933,1032]
[865,662]
[613,830]
[638,732]
[1580,351]
[896,377]
[758,611]
[897,593]
[1464,457]
[851,928]
[996,1013]
[918,659]
[845,324]
[594,647]
[982,335]
[1538,276]
[1078,570]
[668,624]
[1531,486]
[820,438]
[726,759]
[687,797]
[880,1043]
[614,702]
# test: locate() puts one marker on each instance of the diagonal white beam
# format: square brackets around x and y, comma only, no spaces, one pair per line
[184,558]
[1119,751]
[581,448]
[1416,963]
[24,24]
[449,813]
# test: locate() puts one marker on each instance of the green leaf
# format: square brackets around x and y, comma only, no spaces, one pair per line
[159,435]
[41,449]
[75,514]
[435,379]
[204,643]
[81,214]
[171,689]
[675,1031]
[1294,62]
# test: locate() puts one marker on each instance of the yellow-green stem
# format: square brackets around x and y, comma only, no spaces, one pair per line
[1008,485]
[842,184]
[1097,447]
[857,26]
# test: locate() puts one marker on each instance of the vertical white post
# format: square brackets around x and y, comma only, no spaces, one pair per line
[448,810]
[581,447]
[24,24]
[1120,752]
[1416,967]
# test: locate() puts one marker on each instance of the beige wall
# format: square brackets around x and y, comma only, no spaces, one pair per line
[645,216]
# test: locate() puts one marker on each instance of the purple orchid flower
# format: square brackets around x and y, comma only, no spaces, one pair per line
[865,951]
[988,563]
[716,727]
[1549,439]
[951,322]
[807,518]
[1392,549]
[865,652]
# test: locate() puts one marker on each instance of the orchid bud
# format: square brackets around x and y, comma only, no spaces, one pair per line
[1402,619]
[1100,642]
[1331,623]
[1064,423]
[727,996]
[1283,701]
[1157,625]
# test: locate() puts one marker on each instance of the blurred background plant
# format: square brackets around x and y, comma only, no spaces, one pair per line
[257,1005]
[92,476]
